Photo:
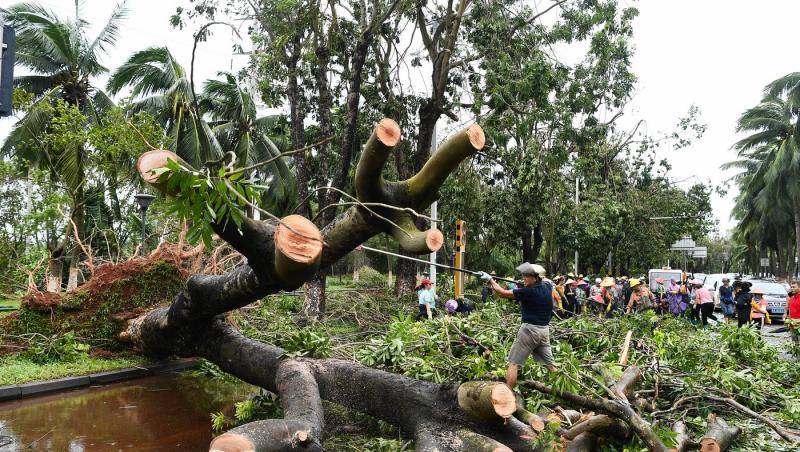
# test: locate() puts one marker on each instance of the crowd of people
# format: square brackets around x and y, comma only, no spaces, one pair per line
[609,296]
[540,299]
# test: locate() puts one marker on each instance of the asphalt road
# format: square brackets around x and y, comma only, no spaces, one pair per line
[780,340]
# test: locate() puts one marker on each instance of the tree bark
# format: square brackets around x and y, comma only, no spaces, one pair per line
[281,255]
[719,435]
[527,245]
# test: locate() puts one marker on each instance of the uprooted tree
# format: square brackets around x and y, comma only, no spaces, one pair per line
[284,253]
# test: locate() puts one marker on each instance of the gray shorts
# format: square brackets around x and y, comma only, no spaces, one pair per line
[532,340]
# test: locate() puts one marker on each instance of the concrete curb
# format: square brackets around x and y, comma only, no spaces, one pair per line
[13,392]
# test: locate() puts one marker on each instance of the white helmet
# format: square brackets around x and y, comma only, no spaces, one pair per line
[598,280]
[531,269]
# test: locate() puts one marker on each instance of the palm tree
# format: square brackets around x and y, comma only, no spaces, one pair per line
[237,127]
[159,85]
[162,88]
[770,166]
[63,61]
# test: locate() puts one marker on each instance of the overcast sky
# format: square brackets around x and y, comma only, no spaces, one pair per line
[713,54]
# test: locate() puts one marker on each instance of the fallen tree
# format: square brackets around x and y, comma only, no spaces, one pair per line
[281,254]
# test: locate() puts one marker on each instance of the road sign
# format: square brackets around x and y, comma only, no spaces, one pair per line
[684,244]
[699,252]
[765,262]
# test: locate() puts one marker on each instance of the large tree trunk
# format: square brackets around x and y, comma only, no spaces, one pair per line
[527,245]
[314,301]
[55,268]
[282,255]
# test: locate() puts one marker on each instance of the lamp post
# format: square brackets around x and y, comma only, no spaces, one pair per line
[144,201]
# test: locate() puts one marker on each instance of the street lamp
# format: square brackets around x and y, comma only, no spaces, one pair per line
[144,201]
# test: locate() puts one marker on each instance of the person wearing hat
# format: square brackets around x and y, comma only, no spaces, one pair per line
[610,295]
[427,303]
[705,300]
[725,296]
[536,303]
[662,303]
[691,287]
[677,305]
[571,297]
[758,308]
[641,298]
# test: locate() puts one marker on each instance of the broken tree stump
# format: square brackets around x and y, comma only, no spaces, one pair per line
[719,435]
[487,400]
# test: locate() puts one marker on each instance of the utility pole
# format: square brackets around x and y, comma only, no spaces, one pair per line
[434,217]
[577,202]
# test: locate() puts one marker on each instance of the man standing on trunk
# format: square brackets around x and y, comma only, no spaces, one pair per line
[536,303]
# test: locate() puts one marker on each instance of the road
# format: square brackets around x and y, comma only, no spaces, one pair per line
[780,340]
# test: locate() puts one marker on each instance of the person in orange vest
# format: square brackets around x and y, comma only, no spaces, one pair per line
[757,315]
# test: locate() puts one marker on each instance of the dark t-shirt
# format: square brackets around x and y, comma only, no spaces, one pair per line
[536,302]
[726,292]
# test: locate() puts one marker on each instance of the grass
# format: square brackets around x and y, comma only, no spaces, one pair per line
[16,370]
[14,303]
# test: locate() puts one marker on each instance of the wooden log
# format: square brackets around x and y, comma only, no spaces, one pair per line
[474,442]
[585,442]
[486,400]
[369,183]
[601,425]
[535,421]
[719,435]
[412,239]
[521,429]
[422,188]
[626,347]
[272,435]
[298,247]
[153,160]
[682,440]
[625,385]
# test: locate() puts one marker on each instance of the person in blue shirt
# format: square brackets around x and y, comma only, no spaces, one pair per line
[536,303]
[726,299]
[427,302]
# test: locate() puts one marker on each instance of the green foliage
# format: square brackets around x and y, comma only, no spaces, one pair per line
[56,348]
[219,422]
[207,197]
[369,277]
[308,343]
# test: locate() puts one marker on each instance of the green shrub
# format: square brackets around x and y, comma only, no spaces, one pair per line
[308,343]
[64,348]
[369,277]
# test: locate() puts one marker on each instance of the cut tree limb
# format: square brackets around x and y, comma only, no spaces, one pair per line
[719,435]
[747,411]
[474,442]
[682,440]
[626,347]
[627,382]
[585,442]
[601,425]
[616,408]
[487,400]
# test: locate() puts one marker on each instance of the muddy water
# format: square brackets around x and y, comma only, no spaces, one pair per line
[168,412]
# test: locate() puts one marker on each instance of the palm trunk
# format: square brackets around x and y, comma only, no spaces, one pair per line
[797,231]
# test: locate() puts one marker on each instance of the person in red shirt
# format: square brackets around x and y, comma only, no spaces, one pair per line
[793,311]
